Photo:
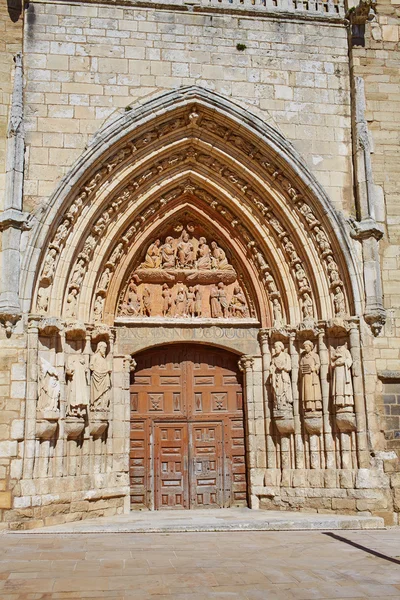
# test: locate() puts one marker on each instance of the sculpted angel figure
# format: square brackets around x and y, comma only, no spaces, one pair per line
[310,365]
[48,268]
[238,304]
[153,256]
[100,384]
[342,386]
[49,387]
[117,253]
[290,249]
[307,308]
[280,378]
[270,283]
[203,255]
[277,312]
[322,240]
[218,257]
[167,300]
[308,214]
[105,279]
[78,273]
[333,269]
[339,302]
[61,233]
[301,276]
[168,254]
[185,251]
[98,308]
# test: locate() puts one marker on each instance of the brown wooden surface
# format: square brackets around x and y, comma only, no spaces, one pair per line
[187,436]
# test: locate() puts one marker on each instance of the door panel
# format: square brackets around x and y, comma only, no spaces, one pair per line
[187,431]
[171,465]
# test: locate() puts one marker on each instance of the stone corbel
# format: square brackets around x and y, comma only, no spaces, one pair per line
[358,16]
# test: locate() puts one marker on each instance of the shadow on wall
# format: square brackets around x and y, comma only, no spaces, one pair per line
[14,9]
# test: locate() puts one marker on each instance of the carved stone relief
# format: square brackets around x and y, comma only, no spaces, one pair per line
[49,388]
[100,383]
[310,383]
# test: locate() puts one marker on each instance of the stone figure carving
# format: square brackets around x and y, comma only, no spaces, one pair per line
[198,302]
[215,306]
[98,308]
[308,215]
[310,383]
[307,307]
[277,313]
[43,299]
[72,300]
[191,296]
[100,384]
[181,303]
[49,263]
[270,283]
[291,250]
[238,304]
[322,240]
[78,273]
[342,386]
[133,305]
[88,247]
[77,387]
[146,298]
[49,387]
[185,252]
[218,257]
[223,300]
[277,226]
[280,378]
[153,256]
[61,233]
[116,254]
[203,255]
[301,277]
[105,279]
[167,301]
[168,254]
[333,269]
[339,302]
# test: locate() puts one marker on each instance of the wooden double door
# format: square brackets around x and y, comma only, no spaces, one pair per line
[187,432]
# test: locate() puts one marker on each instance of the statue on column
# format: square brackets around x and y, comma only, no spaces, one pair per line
[310,365]
[49,387]
[280,378]
[77,391]
[342,386]
[100,384]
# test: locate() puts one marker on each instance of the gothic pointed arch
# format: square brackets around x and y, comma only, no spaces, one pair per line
[191,156]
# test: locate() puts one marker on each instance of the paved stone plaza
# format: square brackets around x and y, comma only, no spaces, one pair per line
[197,566]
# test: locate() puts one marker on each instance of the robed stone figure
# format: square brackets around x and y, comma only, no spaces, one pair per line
[100,384]
[342,386]
[280,378]
[77,397]
[49,387]
[310,365]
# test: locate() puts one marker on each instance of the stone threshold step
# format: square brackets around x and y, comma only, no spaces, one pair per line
[212,520]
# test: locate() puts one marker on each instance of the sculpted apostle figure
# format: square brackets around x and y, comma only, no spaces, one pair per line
[223,300]
[146,297]
[339,302]
[203,255]
[307,307]
[214,303]
[277,312]
[100,384]
[49,387]
[133,303]
[310,384]
[48,268]
[78,272]
[153,256]
[167,300]
[322,240]
[181,303]
[105,279]
[168,254]
[185,251]
[301,276]
[342,386]
[333,269]
[190,296]
[198,301]
[218,257]
[280,378]
[77,391]
[72,300]
[238,305]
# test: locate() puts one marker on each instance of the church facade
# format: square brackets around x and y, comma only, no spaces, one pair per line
[200,276]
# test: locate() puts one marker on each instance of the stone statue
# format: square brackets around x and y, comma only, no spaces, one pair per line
[198,302]
[342,386]
[88,247]
[100,384]
[43,299]
[203,255]
[277,312]
[133,303]
[168,254]
[307,307]
[301,277]
[218,258]
[49,387]
[308,214]
[181,303]
[191,295]
[185,252]
[49,263]
[153,256]
[214,303]
[116,254]
[72,300]
[78,273]
[77,390]
[146,297]
[310,384]
[270,283]
[238,304]
[167,300]
[333,270]
[280,378]
[290,249]
[105,279]
[223,300]
[339,303]
[61,233]
[322,240]
[277,226]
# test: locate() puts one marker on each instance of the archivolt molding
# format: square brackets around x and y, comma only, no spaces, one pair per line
[199,140]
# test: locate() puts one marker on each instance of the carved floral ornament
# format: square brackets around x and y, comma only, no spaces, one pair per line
[144,179]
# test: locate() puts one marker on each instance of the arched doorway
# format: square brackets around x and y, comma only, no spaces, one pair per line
[187,442]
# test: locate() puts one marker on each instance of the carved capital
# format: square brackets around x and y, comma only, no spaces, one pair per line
[366,229]
[8,320]
[376,319]
[263,336]
[246,363]
[15,219]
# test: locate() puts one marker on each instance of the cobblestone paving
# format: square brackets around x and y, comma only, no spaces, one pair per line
[254,565]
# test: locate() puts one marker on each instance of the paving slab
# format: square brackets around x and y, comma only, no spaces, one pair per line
[232,519]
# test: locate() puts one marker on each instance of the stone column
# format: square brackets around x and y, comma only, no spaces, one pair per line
[246,364]
[266,361]
[31,399]
[299,442]
[327,429]
[359,406]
